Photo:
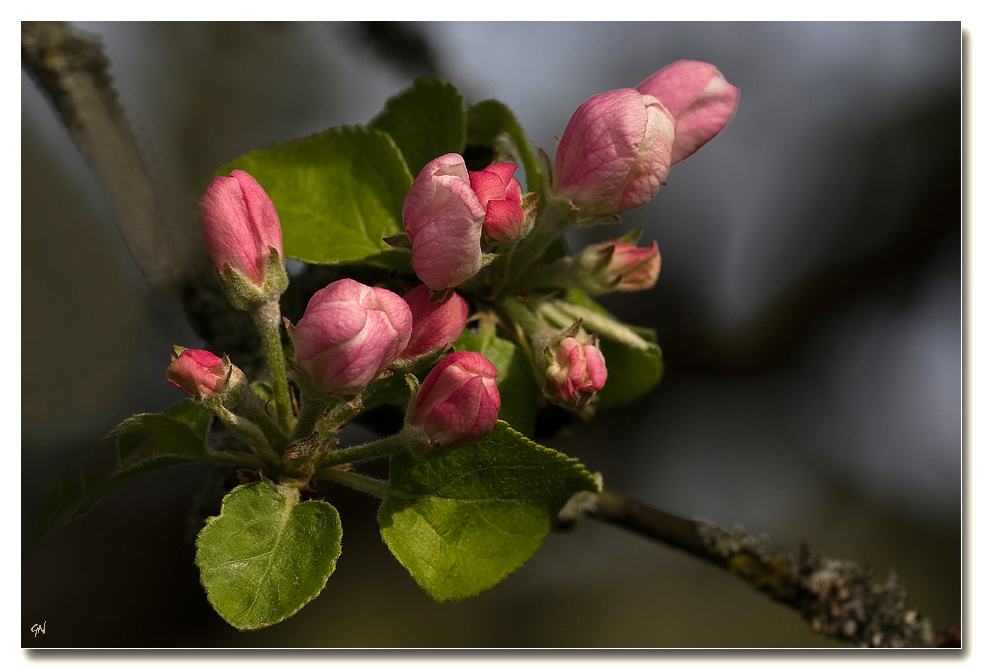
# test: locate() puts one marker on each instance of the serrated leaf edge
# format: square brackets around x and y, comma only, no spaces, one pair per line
[292,505]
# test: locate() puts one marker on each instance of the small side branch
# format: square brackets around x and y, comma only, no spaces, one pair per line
[838,598]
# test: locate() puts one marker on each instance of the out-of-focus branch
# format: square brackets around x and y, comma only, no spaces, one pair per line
[838,598]
[72,70]
[401,44]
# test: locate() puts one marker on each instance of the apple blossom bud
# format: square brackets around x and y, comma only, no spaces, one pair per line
[700,99]
[240,224]
[435,324]
[348,334]
[500,194]
[577,371]
[443,219]
[615,153]
[458,402]
[603,268]
[196,371]
[624,267]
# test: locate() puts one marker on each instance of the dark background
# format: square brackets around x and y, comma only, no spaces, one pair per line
[809,309]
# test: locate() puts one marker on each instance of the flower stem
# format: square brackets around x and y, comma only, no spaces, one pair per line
[520,315]
[255,410]
[267,319]
[549,226]
[311,410]
[249,433]
[367,484]
[373,449]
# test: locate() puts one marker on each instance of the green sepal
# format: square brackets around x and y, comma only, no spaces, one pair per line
[243,294]
[463,522]
[426,121]
[399,241]
[137,446]
[266,554]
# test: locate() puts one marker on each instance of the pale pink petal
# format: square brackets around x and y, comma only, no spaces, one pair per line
[504,220]
[443,220]
[700,99]
[348,334]
[435,324]
[599,147]
[458,402]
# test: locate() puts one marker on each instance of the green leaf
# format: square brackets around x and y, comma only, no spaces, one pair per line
[488,119]
[337,193]
[426,121]
[138,445]
[266,554]
[633,367]
[462,522]
[516,383]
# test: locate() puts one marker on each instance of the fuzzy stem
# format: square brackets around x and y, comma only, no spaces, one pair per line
[367,484]
[549,226]
[337,417]
[255,410]
[267,319]
[249,433]
[237,459]
[562,273]
[520,315]
[373,449]
[311,410]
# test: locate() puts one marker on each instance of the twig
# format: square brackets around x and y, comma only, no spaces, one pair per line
[838,598]
[72,70]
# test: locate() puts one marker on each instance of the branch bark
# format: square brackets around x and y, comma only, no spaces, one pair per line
[838,598]
[72,71]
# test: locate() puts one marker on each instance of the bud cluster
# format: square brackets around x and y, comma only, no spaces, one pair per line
[350,333]
[447,210]
[613,156]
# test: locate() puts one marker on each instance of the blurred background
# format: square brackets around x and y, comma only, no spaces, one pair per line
[809,309]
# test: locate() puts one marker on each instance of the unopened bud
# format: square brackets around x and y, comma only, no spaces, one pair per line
[443,220]
[242,231]
[458,401]
[198,372]
[576,371]
[614,154]
[435,324]
[699,98]
[500,194]
[349,333]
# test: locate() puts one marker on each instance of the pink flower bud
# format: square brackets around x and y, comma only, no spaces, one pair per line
[196,371]
[577,372]
[500,194]
[240,224]
[615,153]
[443,219]
[628,268]
[700,99]
[458,402]
[348,334]
[435,324]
